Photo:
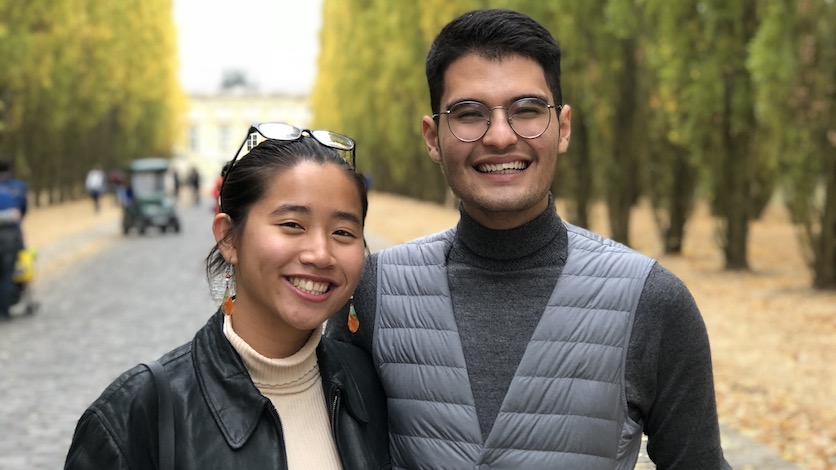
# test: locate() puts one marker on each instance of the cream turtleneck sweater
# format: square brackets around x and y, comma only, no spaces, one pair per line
[294,386]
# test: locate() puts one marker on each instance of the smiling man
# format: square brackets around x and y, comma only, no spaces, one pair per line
[516,340]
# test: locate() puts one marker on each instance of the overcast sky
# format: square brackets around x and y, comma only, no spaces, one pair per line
[275,42]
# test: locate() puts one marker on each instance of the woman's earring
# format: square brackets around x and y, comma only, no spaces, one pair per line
[353,321]
[228,302]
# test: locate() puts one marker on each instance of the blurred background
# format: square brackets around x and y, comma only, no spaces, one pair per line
[697,124]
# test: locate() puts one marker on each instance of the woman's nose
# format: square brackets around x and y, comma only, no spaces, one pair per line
[317,252]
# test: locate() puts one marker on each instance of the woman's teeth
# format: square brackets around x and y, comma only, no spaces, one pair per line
[310,286]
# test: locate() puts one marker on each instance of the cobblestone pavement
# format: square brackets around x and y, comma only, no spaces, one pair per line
[130,301]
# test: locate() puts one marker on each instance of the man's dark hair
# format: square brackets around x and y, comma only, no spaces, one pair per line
[5,165]
[493,34]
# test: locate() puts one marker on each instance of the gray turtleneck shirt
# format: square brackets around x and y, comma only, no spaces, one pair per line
[500,281]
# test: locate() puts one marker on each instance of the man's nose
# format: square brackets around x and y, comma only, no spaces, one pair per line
[500,134]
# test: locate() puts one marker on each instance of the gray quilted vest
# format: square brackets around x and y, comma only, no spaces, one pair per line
[566,406]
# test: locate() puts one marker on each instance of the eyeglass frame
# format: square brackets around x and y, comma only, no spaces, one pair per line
[254,129]
[508,118]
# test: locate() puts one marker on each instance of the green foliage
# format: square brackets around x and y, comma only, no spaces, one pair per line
[85,82]
[793,62]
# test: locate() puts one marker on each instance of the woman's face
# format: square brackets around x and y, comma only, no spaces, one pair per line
[300,253]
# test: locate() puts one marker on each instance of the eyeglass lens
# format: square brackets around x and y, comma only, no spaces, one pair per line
[528,117]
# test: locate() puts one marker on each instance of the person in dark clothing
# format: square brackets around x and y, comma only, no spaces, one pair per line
[259,387]
[194,182]
[13,205]
[516,340]
[175,178]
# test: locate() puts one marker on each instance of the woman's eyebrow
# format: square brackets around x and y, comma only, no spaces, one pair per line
[288,208]
[348,216]
[301,209]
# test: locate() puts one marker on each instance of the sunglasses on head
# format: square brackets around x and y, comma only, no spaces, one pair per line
[260,132]
[281,131]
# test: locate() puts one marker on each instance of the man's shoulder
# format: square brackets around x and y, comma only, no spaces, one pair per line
[582,238]
[434,240]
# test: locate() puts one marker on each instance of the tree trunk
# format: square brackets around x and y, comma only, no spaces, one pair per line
[582,172]
[734,188]
[623,174]
[824,265]
[681,200]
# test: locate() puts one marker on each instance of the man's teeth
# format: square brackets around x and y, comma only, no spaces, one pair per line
[310,286]
[502,167]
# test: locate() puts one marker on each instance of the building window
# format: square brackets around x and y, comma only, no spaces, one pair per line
[224,139]
[194,139]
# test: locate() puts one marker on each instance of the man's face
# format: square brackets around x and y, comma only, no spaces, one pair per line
[502,179]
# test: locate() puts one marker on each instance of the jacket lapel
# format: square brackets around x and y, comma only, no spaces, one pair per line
[233,399]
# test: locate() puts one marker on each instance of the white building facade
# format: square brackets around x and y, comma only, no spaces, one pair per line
[217,124]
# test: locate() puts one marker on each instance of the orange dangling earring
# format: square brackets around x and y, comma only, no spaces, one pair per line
[353,321]
[228,302]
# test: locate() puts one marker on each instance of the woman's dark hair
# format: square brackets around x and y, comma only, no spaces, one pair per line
[248,181]
[493,34]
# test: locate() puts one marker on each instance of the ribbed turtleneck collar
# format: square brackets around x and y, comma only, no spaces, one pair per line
[292,373]
[507,249]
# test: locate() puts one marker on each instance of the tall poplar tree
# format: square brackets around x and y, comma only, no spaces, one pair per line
[671,171]
[86,82]
[721,124]
[793,62]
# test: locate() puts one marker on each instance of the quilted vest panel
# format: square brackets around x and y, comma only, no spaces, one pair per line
[568,411]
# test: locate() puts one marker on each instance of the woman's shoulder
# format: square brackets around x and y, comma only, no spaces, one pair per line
[335,356]
[330,348]
[135,389]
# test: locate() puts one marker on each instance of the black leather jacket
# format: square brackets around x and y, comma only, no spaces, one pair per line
[221,419]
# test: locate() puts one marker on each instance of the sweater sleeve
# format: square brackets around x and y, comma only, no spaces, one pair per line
[670,384]
[365,305]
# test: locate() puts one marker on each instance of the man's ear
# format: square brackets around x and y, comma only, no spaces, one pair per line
[430,130]
[565,128]
[221,225]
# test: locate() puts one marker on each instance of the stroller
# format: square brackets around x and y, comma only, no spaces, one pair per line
[24,302]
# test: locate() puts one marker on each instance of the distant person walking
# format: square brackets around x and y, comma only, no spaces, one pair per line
[194,182]
[95,185]
[176,179]
[12,209]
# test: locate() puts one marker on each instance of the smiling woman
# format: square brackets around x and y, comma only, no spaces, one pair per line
[249,387]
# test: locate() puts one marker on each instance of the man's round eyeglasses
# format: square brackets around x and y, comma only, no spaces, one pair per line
[528,117]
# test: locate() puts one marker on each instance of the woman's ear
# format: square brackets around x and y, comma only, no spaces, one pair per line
[221,225]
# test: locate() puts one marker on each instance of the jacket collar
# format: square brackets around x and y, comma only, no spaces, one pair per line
[336,375]
[235,402]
